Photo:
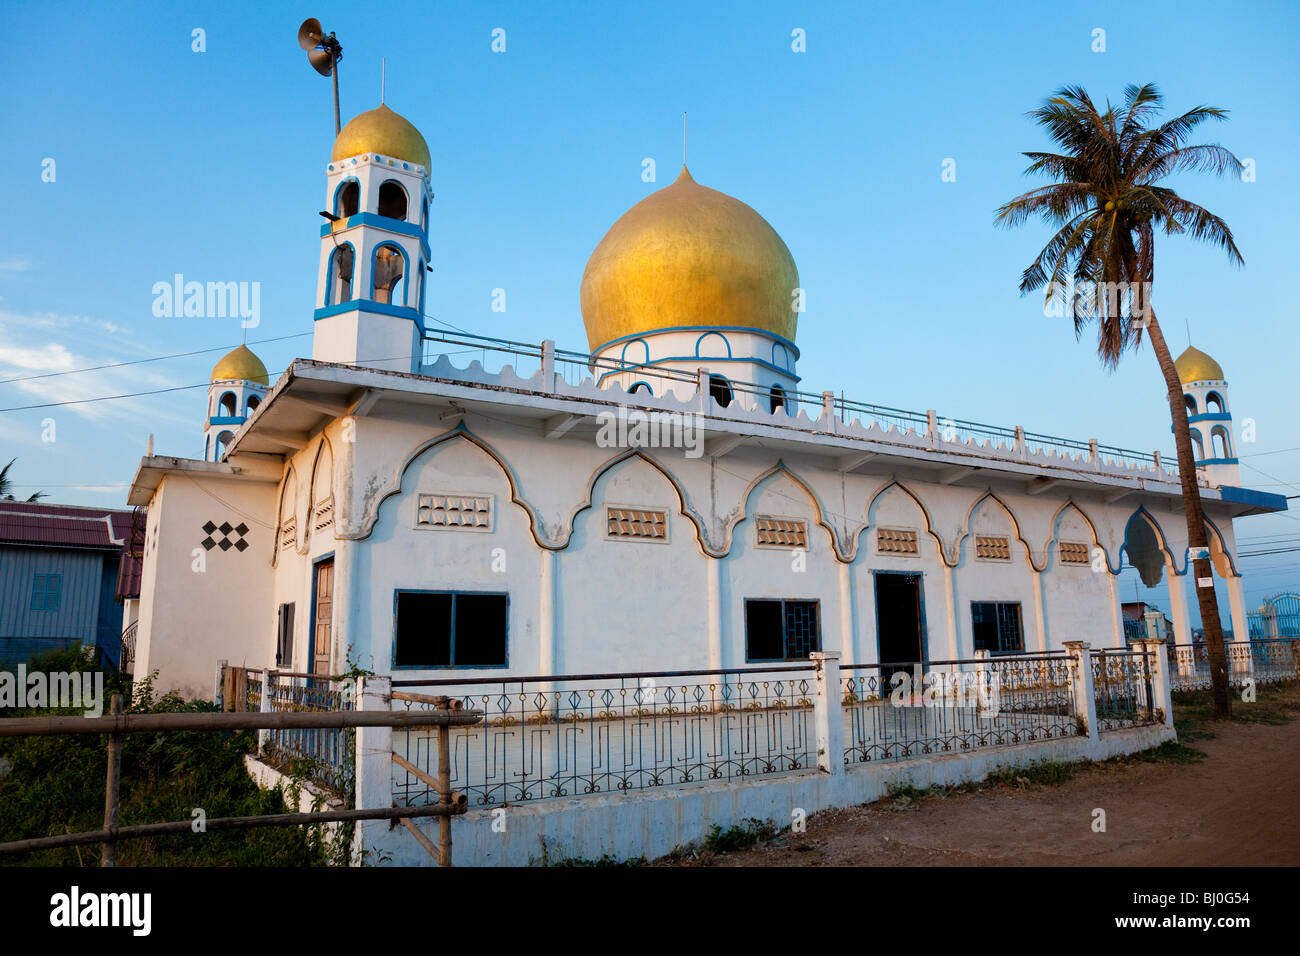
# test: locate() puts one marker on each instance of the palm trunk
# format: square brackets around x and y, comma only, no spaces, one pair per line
[1196,533]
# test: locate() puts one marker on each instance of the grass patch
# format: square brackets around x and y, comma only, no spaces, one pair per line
[1042,773]
[739,837]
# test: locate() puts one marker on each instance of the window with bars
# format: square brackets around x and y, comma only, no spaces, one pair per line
[46,590]
[1074,552]
[781,532]
[996,626]
[450,629]
[777,630]
[896,541]
[993,547]
[636,523]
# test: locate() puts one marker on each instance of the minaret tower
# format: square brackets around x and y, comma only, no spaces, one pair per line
[1206,392]
[239,384]
[374,248]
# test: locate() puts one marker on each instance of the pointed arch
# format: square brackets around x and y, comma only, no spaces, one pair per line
[286,524]
[1216,537]
[1015,524]
[1054,534]
[1162,542]
[780,468]
[320,494]
[866,524]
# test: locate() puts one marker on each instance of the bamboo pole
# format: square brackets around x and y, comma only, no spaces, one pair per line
[113,785]
[444,789]
[279,720]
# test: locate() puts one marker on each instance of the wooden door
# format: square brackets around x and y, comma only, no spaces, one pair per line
[322,637]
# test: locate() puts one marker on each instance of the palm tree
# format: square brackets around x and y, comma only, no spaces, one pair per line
[1107,205]
[5,485]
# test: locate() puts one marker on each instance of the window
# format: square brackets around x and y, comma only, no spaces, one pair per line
[45,592]
[341,276]
[223,442]
[1214,403]
[996,626]
[450,629]
[635,523]
[392,200]
[228,405]
[897,541]
[284,637]
[781,630]
[348,199]
[992,547]
[781,532]
[253,402]
[1198,450]
[469,512]
[1074,552]
[1219,442]
[1191,404]
[390,265]
[777,397]
[719,390]
[640,387]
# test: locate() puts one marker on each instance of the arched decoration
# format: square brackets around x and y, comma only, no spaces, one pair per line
[286,520]
[1221,441]
[1220,556]
[393,200]
[347,198]
[253,402]
[1190,402]
[635,352]
[223,444]
[720,390]
[641,387]
[1198,447]
[776,396]
[338,278]
[867,523]
[228,404]
[1051,551]
[1214,403]
[1145,545]
[320,501]
[1015,524]
[712,345]
[389,271]
[780,356]
[819,513]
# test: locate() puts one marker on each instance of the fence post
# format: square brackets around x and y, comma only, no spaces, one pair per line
[269,679]
[828,722]
[548,365]
[444,784]
[1085,700]
[1161,687]
[112,785]
[218,697]
[983,683]
[374,758]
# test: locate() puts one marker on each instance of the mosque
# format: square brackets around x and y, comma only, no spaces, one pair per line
[373,508]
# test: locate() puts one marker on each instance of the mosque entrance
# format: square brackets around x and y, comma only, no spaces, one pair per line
[900,633]
[322,639]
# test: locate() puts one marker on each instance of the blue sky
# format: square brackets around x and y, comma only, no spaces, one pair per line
[212,165]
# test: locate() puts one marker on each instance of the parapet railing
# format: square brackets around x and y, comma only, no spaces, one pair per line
[1262,660]
[574,368]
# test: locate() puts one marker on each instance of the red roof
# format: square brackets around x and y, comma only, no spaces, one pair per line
[78,528]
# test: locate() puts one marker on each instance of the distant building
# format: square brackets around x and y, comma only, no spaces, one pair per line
[1135,621]
[60,580]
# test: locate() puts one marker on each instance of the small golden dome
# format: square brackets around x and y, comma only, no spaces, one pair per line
[381,131]
[1195,366]
[240,365]
[688,255]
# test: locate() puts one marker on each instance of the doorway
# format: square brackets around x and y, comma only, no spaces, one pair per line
[322,614]
[900,623]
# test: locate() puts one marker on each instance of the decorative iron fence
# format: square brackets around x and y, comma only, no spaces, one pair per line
[325,755]
[1266,661]
[960,705]
[1122,689]
[565,736]
[126,660]
[252,690]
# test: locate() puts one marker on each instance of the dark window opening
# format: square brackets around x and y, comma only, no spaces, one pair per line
[447,629]
[392,200]
[223,441]
[720,390]
[778,397]
[1213,403]
[996,626]
[284,637]
[253,402]
[46,589]
[640,387]
[349,199]
[1191,404]
[228,404]
[389,267]
[781,630]
[343,259]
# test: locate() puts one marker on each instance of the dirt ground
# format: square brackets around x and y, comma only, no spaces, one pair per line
[1239,806]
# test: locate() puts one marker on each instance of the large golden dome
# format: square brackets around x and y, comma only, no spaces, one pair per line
[688,255]
[381,131]
[240,365]
[1195,366]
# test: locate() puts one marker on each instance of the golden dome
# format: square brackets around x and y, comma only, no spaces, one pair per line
[1195,366]
[381,131]
[241,365]
[688,255]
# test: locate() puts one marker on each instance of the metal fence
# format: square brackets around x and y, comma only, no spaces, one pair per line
[1266,661]
[897,711]
[325,755]
[565,736]
[1122,689]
